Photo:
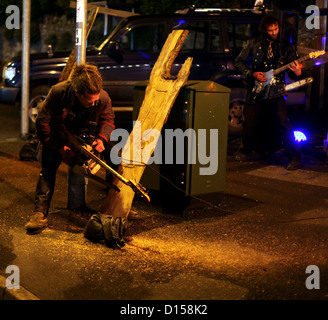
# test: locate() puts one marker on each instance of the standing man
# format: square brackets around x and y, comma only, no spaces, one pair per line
[260,55]
[85,109]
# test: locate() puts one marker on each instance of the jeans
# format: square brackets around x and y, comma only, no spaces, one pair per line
[266,128]
[50,161]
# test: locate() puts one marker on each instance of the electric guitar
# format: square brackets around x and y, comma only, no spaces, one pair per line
[78,145]
[236,116]
[261,89]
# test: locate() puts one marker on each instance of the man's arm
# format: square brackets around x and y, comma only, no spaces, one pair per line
[295,71]
[105,124]
[240,62]
[45,119]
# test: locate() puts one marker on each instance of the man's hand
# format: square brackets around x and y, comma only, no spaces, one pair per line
[259,76]
[98,145]
[296,68]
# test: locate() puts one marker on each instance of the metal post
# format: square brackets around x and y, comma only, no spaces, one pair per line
[25,68]
[105,21]
[323,47]
[81,9]
[77,184]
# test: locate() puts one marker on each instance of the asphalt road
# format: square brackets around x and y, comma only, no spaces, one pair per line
[269,228]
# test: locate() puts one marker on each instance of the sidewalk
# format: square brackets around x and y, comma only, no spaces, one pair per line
[271,225]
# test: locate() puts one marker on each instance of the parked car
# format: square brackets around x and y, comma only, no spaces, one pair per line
[128,54]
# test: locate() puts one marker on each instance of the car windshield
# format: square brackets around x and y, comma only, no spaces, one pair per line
[104,40]
[101,40]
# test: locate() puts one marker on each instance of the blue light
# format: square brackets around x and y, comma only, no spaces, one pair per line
[180,22]
[299,136]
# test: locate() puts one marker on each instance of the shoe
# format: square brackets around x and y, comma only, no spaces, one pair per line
[250,156]
[37,223]
[83,209]
[294,164]
[133,215]
[240,156]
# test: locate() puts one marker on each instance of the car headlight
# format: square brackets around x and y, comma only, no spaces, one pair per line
[8,73]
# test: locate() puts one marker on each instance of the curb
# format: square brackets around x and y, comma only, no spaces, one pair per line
[14,294]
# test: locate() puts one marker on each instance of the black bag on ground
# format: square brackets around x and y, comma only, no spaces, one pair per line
[106,228]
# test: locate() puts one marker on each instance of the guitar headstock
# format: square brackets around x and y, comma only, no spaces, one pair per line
[316,54]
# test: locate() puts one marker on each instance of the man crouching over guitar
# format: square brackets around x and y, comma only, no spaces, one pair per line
[84,108]
[266,124]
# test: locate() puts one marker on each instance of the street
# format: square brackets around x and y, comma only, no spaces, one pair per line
[270,227]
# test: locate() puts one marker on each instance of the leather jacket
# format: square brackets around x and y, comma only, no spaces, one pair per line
[251,59]
[62,107]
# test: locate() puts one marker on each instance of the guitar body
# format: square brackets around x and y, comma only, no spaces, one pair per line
[259,86]
[261,89]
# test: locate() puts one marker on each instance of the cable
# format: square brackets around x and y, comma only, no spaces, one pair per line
[140,163]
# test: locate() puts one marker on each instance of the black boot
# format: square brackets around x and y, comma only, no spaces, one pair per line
[294,163]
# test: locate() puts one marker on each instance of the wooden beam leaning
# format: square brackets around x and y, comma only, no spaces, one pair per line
[110,12]
[160,95]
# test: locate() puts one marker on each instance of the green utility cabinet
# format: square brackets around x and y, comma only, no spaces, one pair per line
[199,114]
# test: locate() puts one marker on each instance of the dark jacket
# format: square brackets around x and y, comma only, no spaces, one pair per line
[62,107]
[251,58]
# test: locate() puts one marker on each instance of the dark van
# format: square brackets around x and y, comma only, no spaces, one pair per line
[128,54]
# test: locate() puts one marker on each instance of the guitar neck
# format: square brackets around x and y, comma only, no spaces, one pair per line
[283,68]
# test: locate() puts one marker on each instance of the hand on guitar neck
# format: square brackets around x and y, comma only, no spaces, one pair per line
[296,67]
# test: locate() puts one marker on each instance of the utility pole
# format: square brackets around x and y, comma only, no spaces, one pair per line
[77,184]
[25,97]
[322,46]
[81,10]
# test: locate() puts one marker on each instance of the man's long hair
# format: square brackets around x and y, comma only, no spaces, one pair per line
[86,78]
[267,21]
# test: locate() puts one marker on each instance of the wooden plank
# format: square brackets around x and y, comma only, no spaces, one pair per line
[110,12]
[161,92]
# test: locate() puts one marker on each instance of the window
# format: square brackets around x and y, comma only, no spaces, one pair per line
[144,39]
[238,34]
[216,43]
[197,36]
[306,36]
